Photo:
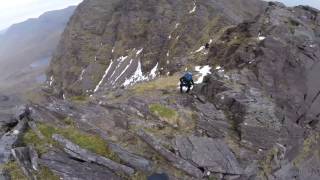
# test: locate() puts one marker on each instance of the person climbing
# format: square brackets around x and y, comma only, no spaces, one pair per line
[207,46]
[186,81]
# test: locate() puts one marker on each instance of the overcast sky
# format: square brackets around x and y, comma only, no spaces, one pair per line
[314,3]
[15,11]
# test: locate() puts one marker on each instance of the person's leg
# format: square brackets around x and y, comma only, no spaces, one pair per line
[189,87]
[181,88]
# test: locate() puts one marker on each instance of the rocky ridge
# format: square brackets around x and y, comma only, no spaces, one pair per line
[253,116]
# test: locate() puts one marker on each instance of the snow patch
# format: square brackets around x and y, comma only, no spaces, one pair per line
[122,58]
[252,61]
[200,49]
[210,41]
[16,132]
[169,37]
[51,81]
[194,8]
[168,53]
[139,51]
[312,45]
[177,25]
[136,77]
[81,75]
[153,71]
[112,50]
[260,37]
[203,71]
[218,67]
[103,77]
[177,37]
[125,69]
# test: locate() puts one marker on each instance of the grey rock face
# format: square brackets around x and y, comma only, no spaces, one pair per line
[27,158]
[211,154]
[9,139]
[107,41]
[77,152]
[131,159]
[172,158]
[71,169]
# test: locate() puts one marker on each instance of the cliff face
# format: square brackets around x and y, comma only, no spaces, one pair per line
[165,33]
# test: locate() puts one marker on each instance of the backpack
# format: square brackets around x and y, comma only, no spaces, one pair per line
[188,76]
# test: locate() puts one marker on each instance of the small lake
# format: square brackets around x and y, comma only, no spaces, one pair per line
[41,63]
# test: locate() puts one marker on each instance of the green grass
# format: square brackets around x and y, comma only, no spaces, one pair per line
[31,138]
[79,98]
[162,111]
[46,174]
[139,176]
[14,171]
[87,141]
[163,83]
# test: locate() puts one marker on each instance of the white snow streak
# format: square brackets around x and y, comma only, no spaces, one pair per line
[125,69]
[122,58]
[139,51]
[210,41]
[200,49]
[194,8]
[104,76]
[81,75]
[260,38]
[51,81]
[136,77]
[153,71]
[204,71]
[177,25]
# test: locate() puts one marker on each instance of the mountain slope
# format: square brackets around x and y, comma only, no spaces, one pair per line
[252,114]
[102,32]
[30,42]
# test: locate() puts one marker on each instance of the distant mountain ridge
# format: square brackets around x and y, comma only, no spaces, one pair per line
[28,42]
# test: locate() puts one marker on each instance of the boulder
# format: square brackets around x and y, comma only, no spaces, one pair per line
[27,159]
[9,139]
[71,169]
[211,154]
[259,137]
[85,155]
[133,160]
[175,160]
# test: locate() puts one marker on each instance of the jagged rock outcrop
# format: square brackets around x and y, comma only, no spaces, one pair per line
[79,153]
[71,169]
[113,43]
[210,154]
[253,113]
